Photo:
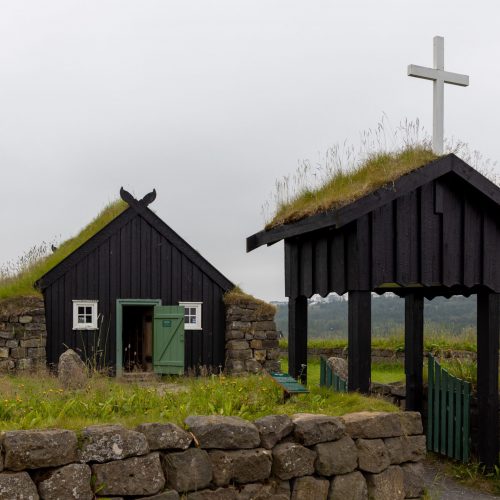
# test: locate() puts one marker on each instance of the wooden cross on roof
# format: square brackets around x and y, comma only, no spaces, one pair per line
[439,77]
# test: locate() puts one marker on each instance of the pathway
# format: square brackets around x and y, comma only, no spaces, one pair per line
[441,487]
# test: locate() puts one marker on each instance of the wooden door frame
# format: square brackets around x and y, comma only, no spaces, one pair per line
[119,326]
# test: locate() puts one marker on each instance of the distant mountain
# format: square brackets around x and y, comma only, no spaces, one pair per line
[328,316]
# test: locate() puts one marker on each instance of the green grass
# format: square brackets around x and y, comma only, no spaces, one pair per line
[38,401]
[35,263]
[343,186]
[435,341]
[383,373]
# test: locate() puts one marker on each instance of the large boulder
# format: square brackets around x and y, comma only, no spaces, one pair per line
[131,476]
[411,422]
[372,455]
[240,466]
[349,487]
[336,457]
[188,470]
[373,425]
[312,429]
[338,366]
[71,482]
[17,486]
[292,460]
[101,443]
[226,433]
[165,436]
[308,487]
[387,484]
[273,428]
[71,370]
[38,448]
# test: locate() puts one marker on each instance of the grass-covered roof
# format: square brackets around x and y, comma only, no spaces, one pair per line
[36,262]
[342,187]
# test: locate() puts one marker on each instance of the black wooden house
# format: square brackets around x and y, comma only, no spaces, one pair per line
[137,296]
[433,232]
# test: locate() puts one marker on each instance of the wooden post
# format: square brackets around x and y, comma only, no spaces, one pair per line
[297,338]
[359,341]
[488,330]
[414,351]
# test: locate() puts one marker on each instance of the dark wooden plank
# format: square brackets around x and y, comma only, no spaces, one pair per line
[166,272]
[488,327]
[125,262]
[452,236]
[186,279]
[383,245]
[351,260]
[321,265]
[472,244]
[336,263]
[207,337]
[306,268]
[359,341]
[414,351]
[155,264]
[104,300]
[176,276]
[407,239]
[491,248]
[297,338]
[363,251]
[92,274]
[135,257]
[430,238]
[145,274]
[114,292]
[219,324]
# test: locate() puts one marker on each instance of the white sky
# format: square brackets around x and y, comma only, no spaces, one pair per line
[210,102]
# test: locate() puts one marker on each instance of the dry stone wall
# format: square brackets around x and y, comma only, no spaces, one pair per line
[251,338]
[359,456]
[23,334]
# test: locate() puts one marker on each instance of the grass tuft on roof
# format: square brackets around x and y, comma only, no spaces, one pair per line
[237,297]
[18,280]
[342,187]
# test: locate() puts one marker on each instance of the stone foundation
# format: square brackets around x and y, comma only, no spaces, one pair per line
[23,334]
[251,337]
[359,456]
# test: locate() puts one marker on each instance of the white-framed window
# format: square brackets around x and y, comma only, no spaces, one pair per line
[192,315]
[85,315]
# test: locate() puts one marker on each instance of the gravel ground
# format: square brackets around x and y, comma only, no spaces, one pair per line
[441,487]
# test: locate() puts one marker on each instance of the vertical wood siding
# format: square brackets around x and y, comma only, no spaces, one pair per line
[443,236]
[140,263]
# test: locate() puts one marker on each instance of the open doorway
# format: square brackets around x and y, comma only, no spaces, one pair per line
[137,335]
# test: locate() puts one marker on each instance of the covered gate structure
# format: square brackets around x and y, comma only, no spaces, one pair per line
[433,232]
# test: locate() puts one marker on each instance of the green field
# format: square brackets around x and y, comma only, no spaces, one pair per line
[38,401]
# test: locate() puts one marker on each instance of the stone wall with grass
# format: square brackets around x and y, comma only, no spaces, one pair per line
[251,337]
[357,456]
[23,334]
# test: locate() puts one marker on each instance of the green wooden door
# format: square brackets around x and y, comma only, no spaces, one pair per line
[168,339]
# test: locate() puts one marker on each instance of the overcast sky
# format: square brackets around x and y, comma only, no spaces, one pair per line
[210,102]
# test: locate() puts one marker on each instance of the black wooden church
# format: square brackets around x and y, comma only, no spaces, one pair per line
[137,296]
[433,232]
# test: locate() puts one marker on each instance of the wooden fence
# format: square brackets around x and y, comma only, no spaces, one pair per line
[448,412]
[327,378]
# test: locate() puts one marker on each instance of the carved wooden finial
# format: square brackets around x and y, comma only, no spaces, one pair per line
[128,198]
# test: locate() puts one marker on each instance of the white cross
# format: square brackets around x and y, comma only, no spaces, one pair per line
[439,77]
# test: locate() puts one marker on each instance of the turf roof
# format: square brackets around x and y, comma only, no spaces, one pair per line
[347,186]
[22,284]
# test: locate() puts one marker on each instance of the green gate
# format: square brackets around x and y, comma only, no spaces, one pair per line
[168,339]
[327,378]
[448,411]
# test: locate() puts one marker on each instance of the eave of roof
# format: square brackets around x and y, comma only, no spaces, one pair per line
[406,183]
